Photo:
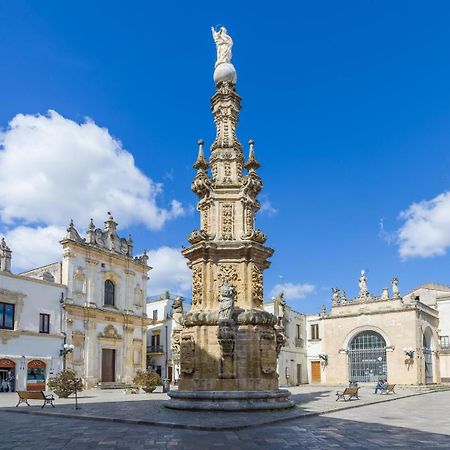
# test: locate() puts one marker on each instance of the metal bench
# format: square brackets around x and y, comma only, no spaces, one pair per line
[24,396]
[350,392]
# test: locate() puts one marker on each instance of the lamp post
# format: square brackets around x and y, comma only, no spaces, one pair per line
[64,351]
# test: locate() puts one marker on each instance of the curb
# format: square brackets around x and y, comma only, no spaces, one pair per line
[174,425]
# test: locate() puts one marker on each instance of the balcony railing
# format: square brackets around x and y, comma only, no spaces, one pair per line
[155,349]
[299,342]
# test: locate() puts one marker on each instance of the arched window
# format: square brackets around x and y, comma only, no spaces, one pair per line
[367,357]
[109,292]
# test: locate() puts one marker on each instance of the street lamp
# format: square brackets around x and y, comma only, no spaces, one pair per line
[409,351]
[67,348]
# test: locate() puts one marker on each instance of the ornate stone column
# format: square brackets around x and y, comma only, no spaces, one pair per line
[228,343]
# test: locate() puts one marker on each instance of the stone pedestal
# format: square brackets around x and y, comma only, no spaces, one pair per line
[230,400]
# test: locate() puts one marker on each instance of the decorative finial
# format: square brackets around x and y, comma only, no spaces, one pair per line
[130,241]
[201,163]
[252,163]
[91,224]
[110,217]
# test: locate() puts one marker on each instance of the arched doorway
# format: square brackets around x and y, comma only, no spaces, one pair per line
[367,357]
[36,375]
[7,371]
[427,343]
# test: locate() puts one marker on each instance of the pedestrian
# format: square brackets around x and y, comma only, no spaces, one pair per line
[379,386]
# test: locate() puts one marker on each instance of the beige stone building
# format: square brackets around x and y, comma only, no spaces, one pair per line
[371,337]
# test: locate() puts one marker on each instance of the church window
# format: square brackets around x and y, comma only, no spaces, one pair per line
[7,316]
[109,293]
[44,323]
[155,314]
[445,343]
[315,331]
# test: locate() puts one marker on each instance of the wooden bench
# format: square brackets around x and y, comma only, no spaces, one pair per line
[24,396]
[389,389]
[350,392]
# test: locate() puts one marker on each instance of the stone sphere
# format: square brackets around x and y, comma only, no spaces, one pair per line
[225,72]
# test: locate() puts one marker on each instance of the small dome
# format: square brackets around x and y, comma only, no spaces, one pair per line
[225,72]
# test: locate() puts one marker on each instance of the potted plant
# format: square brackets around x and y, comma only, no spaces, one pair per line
[64,383]
[147,380]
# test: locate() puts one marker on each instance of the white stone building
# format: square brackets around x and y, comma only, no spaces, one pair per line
[102,289]
[315,354]
[292,360]
[160,357]
[30,327]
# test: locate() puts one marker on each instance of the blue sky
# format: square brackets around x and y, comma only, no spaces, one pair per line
[348,102]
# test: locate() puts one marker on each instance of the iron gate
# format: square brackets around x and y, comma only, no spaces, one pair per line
[428,357]
[367,357]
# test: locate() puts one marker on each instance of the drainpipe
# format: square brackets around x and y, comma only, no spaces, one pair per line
[167,354]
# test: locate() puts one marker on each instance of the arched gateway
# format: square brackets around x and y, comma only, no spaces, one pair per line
[367,357]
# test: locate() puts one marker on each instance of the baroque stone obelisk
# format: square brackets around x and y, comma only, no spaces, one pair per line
[227,344]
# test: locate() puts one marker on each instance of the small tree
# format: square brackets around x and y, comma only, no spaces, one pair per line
[64,383]
[147,380]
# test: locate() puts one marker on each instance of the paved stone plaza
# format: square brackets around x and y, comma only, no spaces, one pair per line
[149,408]
[411,419]
[419,421]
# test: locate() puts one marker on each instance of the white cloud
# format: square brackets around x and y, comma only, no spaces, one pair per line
[54,169]
[426,230]
[266,206]
[169,273]
[34,247]
[292,291]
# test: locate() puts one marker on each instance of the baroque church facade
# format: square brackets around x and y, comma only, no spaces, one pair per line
[96,316]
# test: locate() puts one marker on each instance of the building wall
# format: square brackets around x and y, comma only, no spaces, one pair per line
[402,326]
[314,346]
[25,343]
[91,325]
[292,361]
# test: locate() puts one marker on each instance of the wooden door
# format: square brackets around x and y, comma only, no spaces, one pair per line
[315,371]
[108,365]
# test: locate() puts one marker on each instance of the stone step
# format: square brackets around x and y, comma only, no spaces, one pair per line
[113,385]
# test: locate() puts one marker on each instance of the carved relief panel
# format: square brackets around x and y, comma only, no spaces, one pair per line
[197,285]
[268,352]
[187,354]
[227,222]
[257,285]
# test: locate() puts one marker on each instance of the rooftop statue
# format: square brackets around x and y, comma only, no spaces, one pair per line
[223,43]
[363,291]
